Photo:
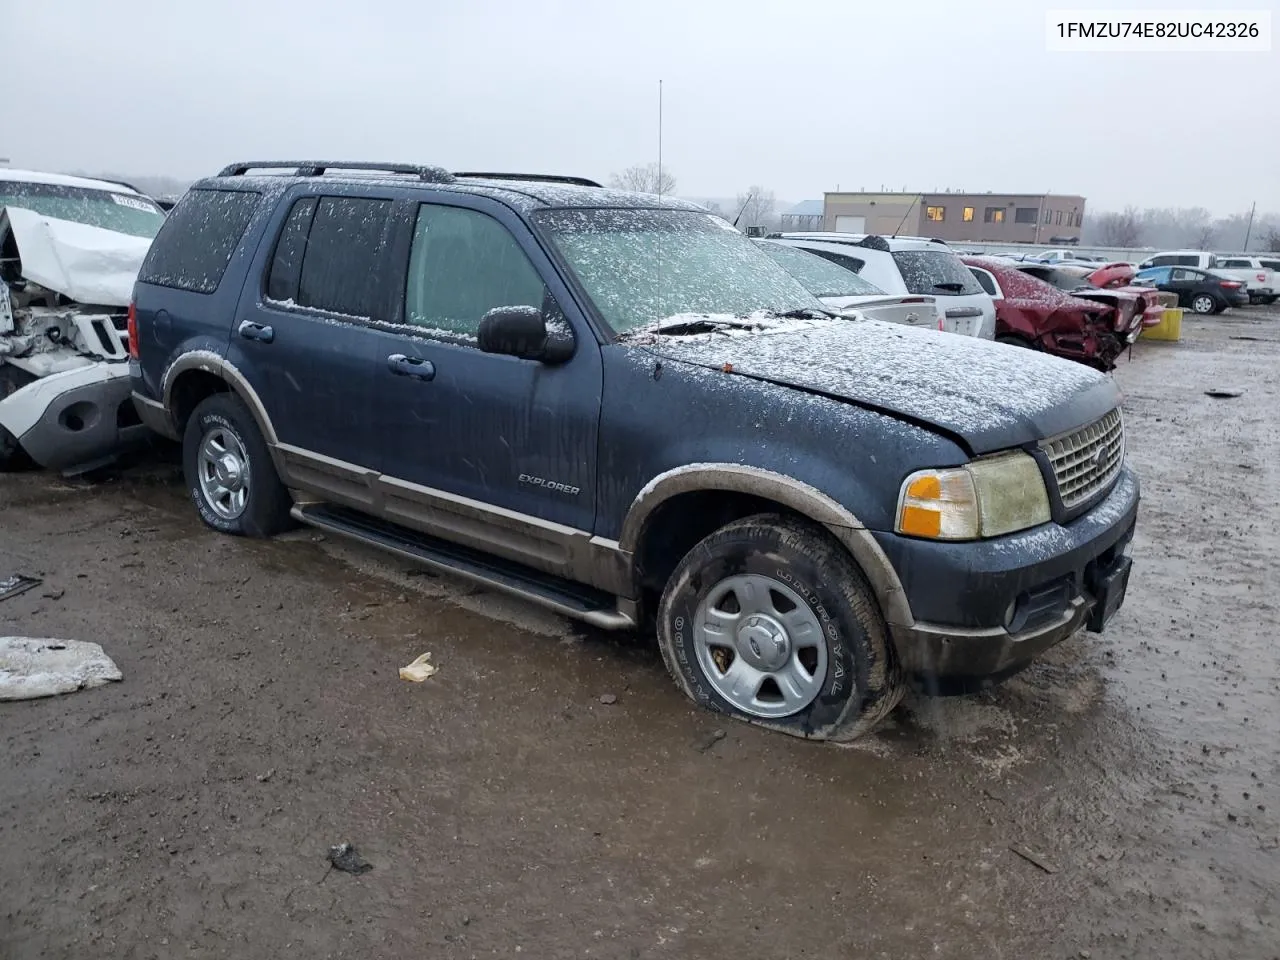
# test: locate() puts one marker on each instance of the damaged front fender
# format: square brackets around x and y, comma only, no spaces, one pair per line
[65,398]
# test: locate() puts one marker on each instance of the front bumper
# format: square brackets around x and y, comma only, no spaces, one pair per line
[986,608]
[77,419]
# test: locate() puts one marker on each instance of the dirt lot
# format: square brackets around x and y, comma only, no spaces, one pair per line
[506,809]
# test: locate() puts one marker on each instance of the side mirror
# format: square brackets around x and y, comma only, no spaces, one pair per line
[523,332]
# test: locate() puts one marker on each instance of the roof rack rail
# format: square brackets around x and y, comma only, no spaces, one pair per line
[121,183]
[535,177]
[316,168]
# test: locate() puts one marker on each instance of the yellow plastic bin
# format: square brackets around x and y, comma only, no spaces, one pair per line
[1169,327]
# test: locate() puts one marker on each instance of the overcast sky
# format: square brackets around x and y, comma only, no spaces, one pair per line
[799,95]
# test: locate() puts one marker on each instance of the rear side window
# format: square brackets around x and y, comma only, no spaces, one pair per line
[1235,264]
[935,273]
[463,263]
[197,240]
[343,249]
[985,279]
[286,263]
[840,259]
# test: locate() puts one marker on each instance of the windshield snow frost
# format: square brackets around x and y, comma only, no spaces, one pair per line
[641,267]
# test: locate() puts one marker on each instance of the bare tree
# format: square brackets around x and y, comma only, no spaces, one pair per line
[1204,235]
[758,208]
[1120,229]
[644,178]
[1271,240]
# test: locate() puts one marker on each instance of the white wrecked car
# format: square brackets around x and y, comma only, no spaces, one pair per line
[70,249]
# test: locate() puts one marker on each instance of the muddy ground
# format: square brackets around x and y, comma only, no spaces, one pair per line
[506,809]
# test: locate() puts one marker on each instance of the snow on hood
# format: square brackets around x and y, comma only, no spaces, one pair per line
[87,264]
[989,395]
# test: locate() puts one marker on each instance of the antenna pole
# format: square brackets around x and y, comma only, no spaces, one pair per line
[659,138]
[1249,229]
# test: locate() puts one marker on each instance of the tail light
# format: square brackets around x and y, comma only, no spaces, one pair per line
[1262,278]
[133,330]
[1231,284]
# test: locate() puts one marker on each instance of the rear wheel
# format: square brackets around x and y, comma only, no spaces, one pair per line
[770,620]
[1202,303]
[229,472]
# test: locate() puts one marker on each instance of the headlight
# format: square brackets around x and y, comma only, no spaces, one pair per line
[986,498]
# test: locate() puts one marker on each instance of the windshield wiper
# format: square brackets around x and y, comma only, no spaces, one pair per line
[691,325]
[804,313]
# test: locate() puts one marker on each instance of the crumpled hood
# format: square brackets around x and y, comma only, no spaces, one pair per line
[988,395]
[87,264]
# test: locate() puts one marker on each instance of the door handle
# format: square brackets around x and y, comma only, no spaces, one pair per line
[257,331]
[414,367]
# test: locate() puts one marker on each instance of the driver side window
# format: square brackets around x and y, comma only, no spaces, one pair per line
[462,264]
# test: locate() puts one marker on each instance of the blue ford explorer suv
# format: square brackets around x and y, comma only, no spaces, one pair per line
[616,406]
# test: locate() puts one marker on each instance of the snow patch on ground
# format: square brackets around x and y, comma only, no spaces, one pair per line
[31,668]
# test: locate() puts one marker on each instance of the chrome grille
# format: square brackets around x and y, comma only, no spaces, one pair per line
[1087,461]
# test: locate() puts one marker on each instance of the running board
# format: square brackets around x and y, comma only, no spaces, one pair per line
[563,596]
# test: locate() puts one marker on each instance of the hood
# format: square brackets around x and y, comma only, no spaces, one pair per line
[987,395]
[87,264]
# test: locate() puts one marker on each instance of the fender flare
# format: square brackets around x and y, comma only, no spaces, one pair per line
[210,362]
[792,493]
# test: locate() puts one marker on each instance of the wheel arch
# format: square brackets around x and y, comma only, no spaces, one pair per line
[199,374]
[676,500]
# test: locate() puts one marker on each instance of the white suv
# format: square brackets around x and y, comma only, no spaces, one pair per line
[909,265]
[1257,277]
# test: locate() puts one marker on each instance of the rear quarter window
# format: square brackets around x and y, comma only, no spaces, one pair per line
[935,273]
[194,246]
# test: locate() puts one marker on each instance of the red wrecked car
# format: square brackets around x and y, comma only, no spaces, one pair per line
[1080,279]
[1093,328]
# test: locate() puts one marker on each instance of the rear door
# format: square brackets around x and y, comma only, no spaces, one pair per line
[471,441]
[302,332]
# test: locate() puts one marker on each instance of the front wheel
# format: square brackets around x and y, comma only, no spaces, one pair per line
[229,472]
[12,456]
[770,620]
[1203,304]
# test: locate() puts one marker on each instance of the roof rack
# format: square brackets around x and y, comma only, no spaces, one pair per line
[120,183]
[316,168]
[535,177]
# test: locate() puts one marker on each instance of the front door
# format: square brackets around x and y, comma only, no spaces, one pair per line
[469,442]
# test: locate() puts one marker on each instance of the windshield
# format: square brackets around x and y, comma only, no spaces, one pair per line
[820,277]
[935,273]
[121,212]
[641,267]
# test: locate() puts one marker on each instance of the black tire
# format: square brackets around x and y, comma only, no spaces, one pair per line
[1204,304]
[863,681]
[1269,300]
[12,456]
[267,502]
